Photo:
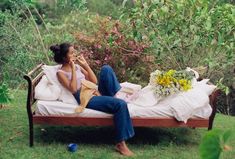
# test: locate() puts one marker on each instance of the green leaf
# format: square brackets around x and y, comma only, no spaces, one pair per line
[220,39]
[4,94]
[226,135]
[124,3]
[165,9]
[139,36]
[110,40]
[227,90]
[152,36]
[208,23]
[210,147]
[176,42]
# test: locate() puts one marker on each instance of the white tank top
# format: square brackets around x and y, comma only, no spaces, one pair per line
[80,76]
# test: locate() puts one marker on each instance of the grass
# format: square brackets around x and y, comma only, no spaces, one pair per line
[97,142]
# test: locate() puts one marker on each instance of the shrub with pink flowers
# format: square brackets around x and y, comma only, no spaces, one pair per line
[108,45]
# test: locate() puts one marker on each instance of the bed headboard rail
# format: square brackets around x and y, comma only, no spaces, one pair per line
[33,78]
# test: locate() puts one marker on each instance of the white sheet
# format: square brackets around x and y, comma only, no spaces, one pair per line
[143,103]
[160,110]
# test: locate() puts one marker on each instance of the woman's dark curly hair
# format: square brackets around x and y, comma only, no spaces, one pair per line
[60,52]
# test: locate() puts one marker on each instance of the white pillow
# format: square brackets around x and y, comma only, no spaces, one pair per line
[208,89]
[50,72]
[185,104]
[46,91]
[130,87]
[65,95]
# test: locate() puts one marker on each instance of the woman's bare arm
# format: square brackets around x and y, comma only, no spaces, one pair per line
[86,70]
[71,85]
[90,74]
[85,73]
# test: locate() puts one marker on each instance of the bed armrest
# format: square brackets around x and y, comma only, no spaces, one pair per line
[33,77]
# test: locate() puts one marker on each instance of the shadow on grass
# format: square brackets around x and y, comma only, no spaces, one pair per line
[105,135]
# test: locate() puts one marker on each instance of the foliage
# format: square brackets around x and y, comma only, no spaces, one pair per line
[187,33]
[103,7]
[171,34]
[191,33]
[106,44]
[126,3]
[222,87]
[37,9]
[225,100]
[214,143]
[24,43]
[72,4]
[62,7]
[20,48]
[5,96]
[109,8]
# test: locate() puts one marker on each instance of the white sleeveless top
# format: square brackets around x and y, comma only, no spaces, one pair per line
[80,76]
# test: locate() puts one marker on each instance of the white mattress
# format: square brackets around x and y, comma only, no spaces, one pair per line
[158,111]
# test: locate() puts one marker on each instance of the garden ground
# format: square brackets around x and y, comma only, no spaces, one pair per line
[97,142]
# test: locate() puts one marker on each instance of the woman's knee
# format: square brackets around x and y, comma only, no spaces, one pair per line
[106,68]
[121,105]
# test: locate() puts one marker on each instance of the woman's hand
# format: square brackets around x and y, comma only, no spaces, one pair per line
[97,93]
[81,60]
[86,70]
[71,62]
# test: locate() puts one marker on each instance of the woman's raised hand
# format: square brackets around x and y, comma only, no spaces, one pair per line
[81,60]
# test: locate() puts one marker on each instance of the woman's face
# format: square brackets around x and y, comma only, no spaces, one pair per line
[71,54]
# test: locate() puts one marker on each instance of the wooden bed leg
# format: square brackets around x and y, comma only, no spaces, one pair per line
[29,110]
[213,98]
[31,134]
[211,119]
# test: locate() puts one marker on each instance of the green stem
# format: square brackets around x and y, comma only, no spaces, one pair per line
[41,19]
[39,34]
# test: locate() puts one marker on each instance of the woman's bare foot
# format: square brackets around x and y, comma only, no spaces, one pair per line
[122,148]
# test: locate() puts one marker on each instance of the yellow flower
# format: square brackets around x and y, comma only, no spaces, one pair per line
[163,80]
[170,72]
[170,81]
[185,84]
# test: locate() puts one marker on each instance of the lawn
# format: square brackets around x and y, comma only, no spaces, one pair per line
[97,142]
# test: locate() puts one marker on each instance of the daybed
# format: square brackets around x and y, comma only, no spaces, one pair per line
[33,78]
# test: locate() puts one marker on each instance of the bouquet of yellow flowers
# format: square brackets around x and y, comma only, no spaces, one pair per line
[169,82]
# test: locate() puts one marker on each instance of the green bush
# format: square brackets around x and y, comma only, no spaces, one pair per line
[191,33]
[178,34]
[104,7]
[5,96]
[102,41]
[187,33]
[25,43]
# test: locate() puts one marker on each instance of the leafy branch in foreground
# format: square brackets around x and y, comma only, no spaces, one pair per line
[214,143]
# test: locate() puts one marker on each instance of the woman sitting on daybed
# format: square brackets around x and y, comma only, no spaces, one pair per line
[70,76]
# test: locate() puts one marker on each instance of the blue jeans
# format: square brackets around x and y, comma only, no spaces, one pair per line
[108,86]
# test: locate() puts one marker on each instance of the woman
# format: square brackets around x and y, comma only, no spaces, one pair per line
[70,76]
